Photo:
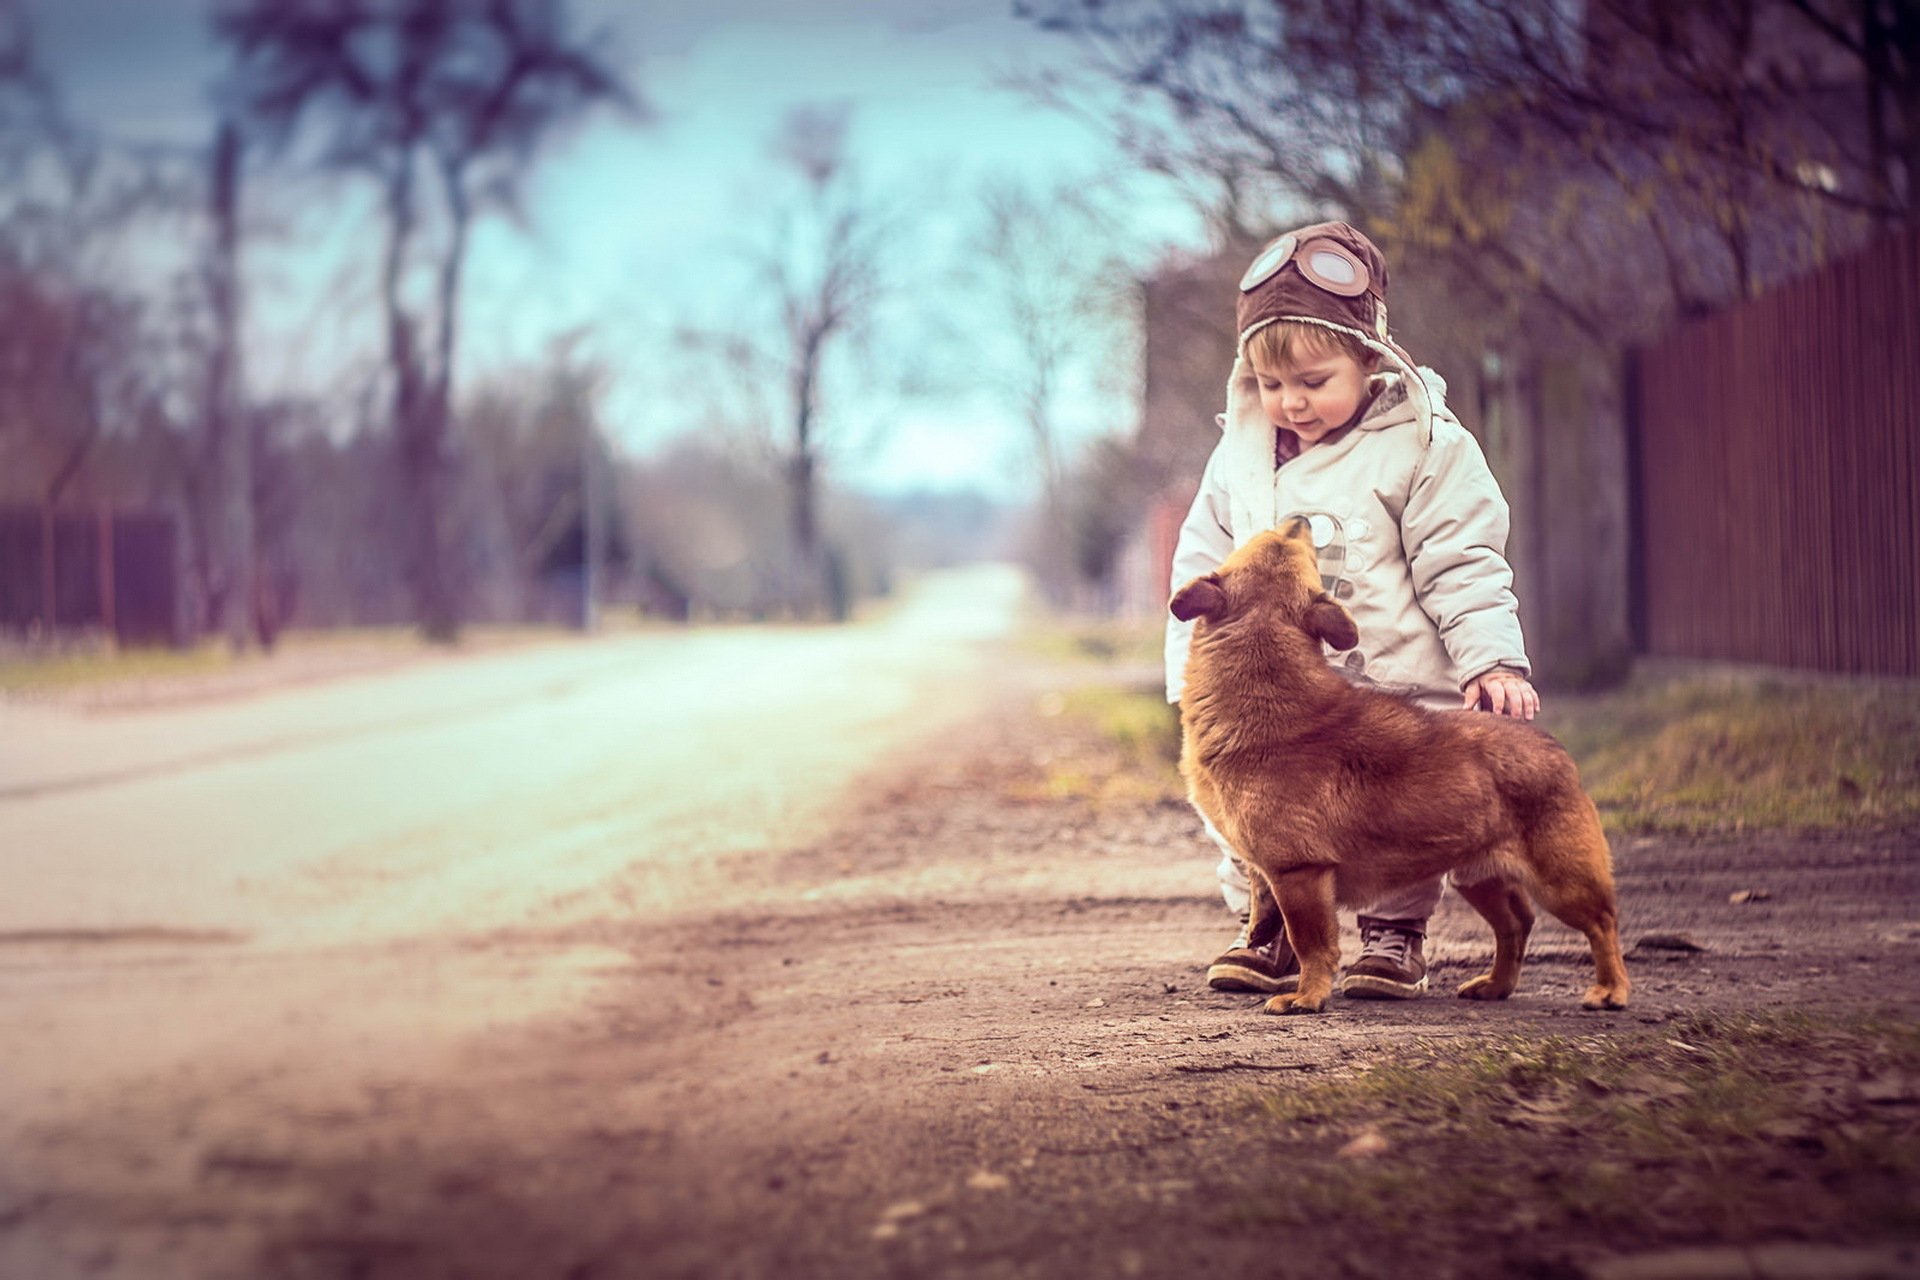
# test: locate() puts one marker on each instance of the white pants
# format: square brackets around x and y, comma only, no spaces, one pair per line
[1415,902]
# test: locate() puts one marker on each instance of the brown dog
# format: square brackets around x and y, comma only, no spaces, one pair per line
[1336,794]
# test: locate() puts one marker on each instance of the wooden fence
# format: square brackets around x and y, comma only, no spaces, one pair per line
[1775,475]
[111,571]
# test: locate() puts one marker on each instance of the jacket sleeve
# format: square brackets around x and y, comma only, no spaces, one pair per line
[1454,529]
[1206,540]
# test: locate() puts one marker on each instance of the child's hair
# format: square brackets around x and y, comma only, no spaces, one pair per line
[1288,343]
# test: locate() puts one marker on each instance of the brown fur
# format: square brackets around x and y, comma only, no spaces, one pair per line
[1335,794]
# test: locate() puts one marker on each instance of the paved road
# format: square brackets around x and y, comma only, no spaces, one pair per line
[351,877]
[471,793]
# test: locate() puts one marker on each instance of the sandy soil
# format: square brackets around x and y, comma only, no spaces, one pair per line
[965,1035]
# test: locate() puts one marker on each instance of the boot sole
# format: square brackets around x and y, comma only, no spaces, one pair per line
[1234,977]
[1365,986]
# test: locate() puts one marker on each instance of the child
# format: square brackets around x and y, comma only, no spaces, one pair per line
[1329,419]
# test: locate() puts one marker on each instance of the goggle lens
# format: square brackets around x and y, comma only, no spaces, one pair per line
[1268,264]
[1325,263]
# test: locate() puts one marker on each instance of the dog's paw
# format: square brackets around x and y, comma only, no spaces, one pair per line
[1293,1003]
[1482,988]
[1598,997]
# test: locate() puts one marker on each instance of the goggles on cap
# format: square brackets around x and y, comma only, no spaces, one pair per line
[1325,263]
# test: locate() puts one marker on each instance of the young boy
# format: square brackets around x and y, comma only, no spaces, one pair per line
[1329,419]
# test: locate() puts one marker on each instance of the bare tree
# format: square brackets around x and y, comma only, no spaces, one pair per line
[1569,155]
[444,105]
[1050,268]
[537,481]
[816,273]
[824,269]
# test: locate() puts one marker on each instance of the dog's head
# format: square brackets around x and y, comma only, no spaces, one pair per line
[1274,580]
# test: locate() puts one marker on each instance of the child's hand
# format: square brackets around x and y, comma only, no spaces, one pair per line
[1502,692]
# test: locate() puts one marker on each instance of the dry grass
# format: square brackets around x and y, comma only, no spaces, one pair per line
[1729,752]
[1714,1128]
[1674,751]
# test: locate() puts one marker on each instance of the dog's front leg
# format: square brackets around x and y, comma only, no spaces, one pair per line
[1306,903]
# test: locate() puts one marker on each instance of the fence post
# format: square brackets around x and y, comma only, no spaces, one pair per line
[48,593]
[109,621]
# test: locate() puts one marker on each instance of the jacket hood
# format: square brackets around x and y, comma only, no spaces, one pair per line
[1247,444]
[1393,406]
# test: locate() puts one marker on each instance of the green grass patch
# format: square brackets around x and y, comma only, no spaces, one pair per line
[1096,640]
[1715,1128]
[1124,746]
[1142,725]
[1716,754]
[22,674]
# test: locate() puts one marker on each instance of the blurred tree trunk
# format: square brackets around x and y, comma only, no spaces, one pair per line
[472,87]
[826,277]
[230,442]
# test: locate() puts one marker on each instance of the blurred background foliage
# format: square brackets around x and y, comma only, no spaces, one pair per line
[1554,184]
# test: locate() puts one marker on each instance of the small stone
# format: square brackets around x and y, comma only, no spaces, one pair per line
[1741,896]
[985,1180]
[1668,942]
[1096,1003]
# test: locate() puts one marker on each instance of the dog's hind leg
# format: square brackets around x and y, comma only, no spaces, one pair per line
[1572,881]
[1505,907]
[1601,925]
[1307,904]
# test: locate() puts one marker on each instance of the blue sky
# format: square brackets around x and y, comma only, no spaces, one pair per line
[632,232]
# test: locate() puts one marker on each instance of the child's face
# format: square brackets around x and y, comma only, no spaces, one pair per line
[1315,397]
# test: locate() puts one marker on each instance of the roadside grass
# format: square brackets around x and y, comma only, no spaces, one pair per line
[1693,753]
[1093,640]
[1674,750]
[1125,749]
[26,671]
[1126,744]
[1729,1129]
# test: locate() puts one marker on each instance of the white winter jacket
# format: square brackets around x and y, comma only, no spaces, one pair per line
[1411,529]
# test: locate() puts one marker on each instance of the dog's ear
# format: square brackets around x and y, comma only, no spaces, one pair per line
[1328,620]
[1203,597]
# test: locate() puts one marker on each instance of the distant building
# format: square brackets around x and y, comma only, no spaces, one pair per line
[1187,322]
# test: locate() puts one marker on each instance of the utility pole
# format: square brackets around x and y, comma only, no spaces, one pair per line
[592,522]
[232,437]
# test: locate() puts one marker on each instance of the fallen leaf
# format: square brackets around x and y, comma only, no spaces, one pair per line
[982,1180]
[1739,896]
[901,1210]
[1794,1129]
[1366,1146]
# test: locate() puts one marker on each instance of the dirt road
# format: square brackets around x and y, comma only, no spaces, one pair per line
[961,1031]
